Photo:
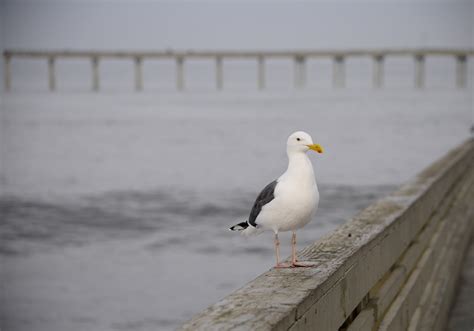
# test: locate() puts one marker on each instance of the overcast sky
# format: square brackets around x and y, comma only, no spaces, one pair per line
[235,24]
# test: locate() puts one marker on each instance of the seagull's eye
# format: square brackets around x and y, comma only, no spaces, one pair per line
[298,139]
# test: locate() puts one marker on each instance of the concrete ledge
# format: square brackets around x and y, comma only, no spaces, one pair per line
[389,268]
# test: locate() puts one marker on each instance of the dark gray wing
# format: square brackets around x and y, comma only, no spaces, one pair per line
[263,198]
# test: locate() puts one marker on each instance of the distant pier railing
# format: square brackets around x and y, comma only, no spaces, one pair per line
[299,58]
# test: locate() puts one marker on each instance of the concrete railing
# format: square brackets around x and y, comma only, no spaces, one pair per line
[299,58]
[392,267]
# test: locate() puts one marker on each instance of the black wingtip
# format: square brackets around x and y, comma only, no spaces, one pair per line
[239,227]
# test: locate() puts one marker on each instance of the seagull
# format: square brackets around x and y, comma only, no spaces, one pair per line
[289,202]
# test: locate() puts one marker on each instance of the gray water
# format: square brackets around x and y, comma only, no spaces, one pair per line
[116,206]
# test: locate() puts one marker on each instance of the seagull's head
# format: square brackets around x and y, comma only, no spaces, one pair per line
[302,142]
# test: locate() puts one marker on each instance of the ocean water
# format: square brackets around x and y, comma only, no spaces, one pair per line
[116,206]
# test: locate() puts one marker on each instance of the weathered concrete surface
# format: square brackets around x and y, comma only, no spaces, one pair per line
[461,317]
[397,259]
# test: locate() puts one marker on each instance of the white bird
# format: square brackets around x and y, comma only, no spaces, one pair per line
[288,203]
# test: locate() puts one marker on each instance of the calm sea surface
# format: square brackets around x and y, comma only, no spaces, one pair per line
[115,207]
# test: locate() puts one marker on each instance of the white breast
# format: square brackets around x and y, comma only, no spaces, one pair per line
[296,199]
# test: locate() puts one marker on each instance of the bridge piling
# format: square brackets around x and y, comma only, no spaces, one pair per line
[95,73]
[51,73]
[419,71]
[339,79]
[461,71]
[7,72]
[299,71]
[219,73]
[138,73]
[180,73]
[261,72]
[378,71]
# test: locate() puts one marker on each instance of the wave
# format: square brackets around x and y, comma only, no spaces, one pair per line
[31,225]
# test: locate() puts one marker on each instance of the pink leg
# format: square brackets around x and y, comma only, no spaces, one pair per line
[294,260]
[277,253]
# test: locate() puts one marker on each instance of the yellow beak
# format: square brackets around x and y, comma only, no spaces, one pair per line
[316,148]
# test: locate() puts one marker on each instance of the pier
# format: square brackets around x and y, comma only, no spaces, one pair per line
[299,58]
[394,266]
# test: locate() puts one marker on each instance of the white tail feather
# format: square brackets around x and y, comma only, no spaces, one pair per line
[251,231]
